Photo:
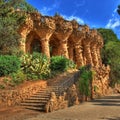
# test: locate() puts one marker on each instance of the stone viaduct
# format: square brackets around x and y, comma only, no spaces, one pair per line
[57,36]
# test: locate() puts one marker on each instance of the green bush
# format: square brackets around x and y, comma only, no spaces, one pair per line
[36,66]
[60,63]
[17,78]
[9,64]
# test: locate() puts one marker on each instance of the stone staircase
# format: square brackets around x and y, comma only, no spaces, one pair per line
[40,100]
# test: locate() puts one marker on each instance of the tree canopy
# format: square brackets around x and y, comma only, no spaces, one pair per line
[9,23]
[111,54]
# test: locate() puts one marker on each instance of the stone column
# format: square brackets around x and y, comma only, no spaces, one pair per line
[70,51]
[64,48]
[45,47]
[94,54]
[99,55]
[87,53]
[79,55]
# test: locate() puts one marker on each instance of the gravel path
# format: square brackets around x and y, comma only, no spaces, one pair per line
[107,108]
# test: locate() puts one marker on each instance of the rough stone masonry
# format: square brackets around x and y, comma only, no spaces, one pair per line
[57,36]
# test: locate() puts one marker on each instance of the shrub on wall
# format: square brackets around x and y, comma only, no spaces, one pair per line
[60,63]
[9,64]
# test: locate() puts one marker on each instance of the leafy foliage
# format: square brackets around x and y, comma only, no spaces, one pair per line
[23,5]
[35,66]
[111,54]
[8,64]
[17,78]
[10,22]
[108,35]
[85,81]
[60,63]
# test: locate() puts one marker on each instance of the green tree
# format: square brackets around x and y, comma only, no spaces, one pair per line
[9,23]
[108,35]
[111,54]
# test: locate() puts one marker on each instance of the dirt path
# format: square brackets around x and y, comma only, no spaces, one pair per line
[107,108]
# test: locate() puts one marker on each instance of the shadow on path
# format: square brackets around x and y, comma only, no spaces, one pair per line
[108,101]
[115,118]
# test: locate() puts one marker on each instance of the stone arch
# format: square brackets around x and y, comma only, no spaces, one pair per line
[33,43]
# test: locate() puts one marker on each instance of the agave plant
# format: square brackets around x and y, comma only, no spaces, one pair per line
[36,64]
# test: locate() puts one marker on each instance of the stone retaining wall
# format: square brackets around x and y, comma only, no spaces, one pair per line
[14,97]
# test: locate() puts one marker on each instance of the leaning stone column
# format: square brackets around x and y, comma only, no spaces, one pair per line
[76,38]
[98,50]
[87,51]
[64,48]
[45,28]
[45,47]
[94,54]
[24,30]
[62,32]
[99,55]
[79,55]
[70,52]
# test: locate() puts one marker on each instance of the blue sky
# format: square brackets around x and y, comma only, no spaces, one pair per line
[95,13]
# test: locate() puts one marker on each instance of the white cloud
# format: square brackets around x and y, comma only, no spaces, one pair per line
[114,22]
[47,10]
[78,19]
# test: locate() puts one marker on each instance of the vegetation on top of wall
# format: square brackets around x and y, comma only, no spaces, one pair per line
[111,54]
[85,81]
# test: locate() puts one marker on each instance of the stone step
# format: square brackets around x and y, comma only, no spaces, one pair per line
[47,92]
[38,98]
[34,104]
[35,108]
[42,94]
[35,101]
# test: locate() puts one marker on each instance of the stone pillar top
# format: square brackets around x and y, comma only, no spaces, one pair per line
[47,22]
[45,27]
[63,28]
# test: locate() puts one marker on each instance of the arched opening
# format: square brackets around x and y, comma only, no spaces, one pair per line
[54,47]
[33,43]
[35,46]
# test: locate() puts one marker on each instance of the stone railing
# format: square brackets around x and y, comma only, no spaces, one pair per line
[68,83]
[14,97]
[63,98]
